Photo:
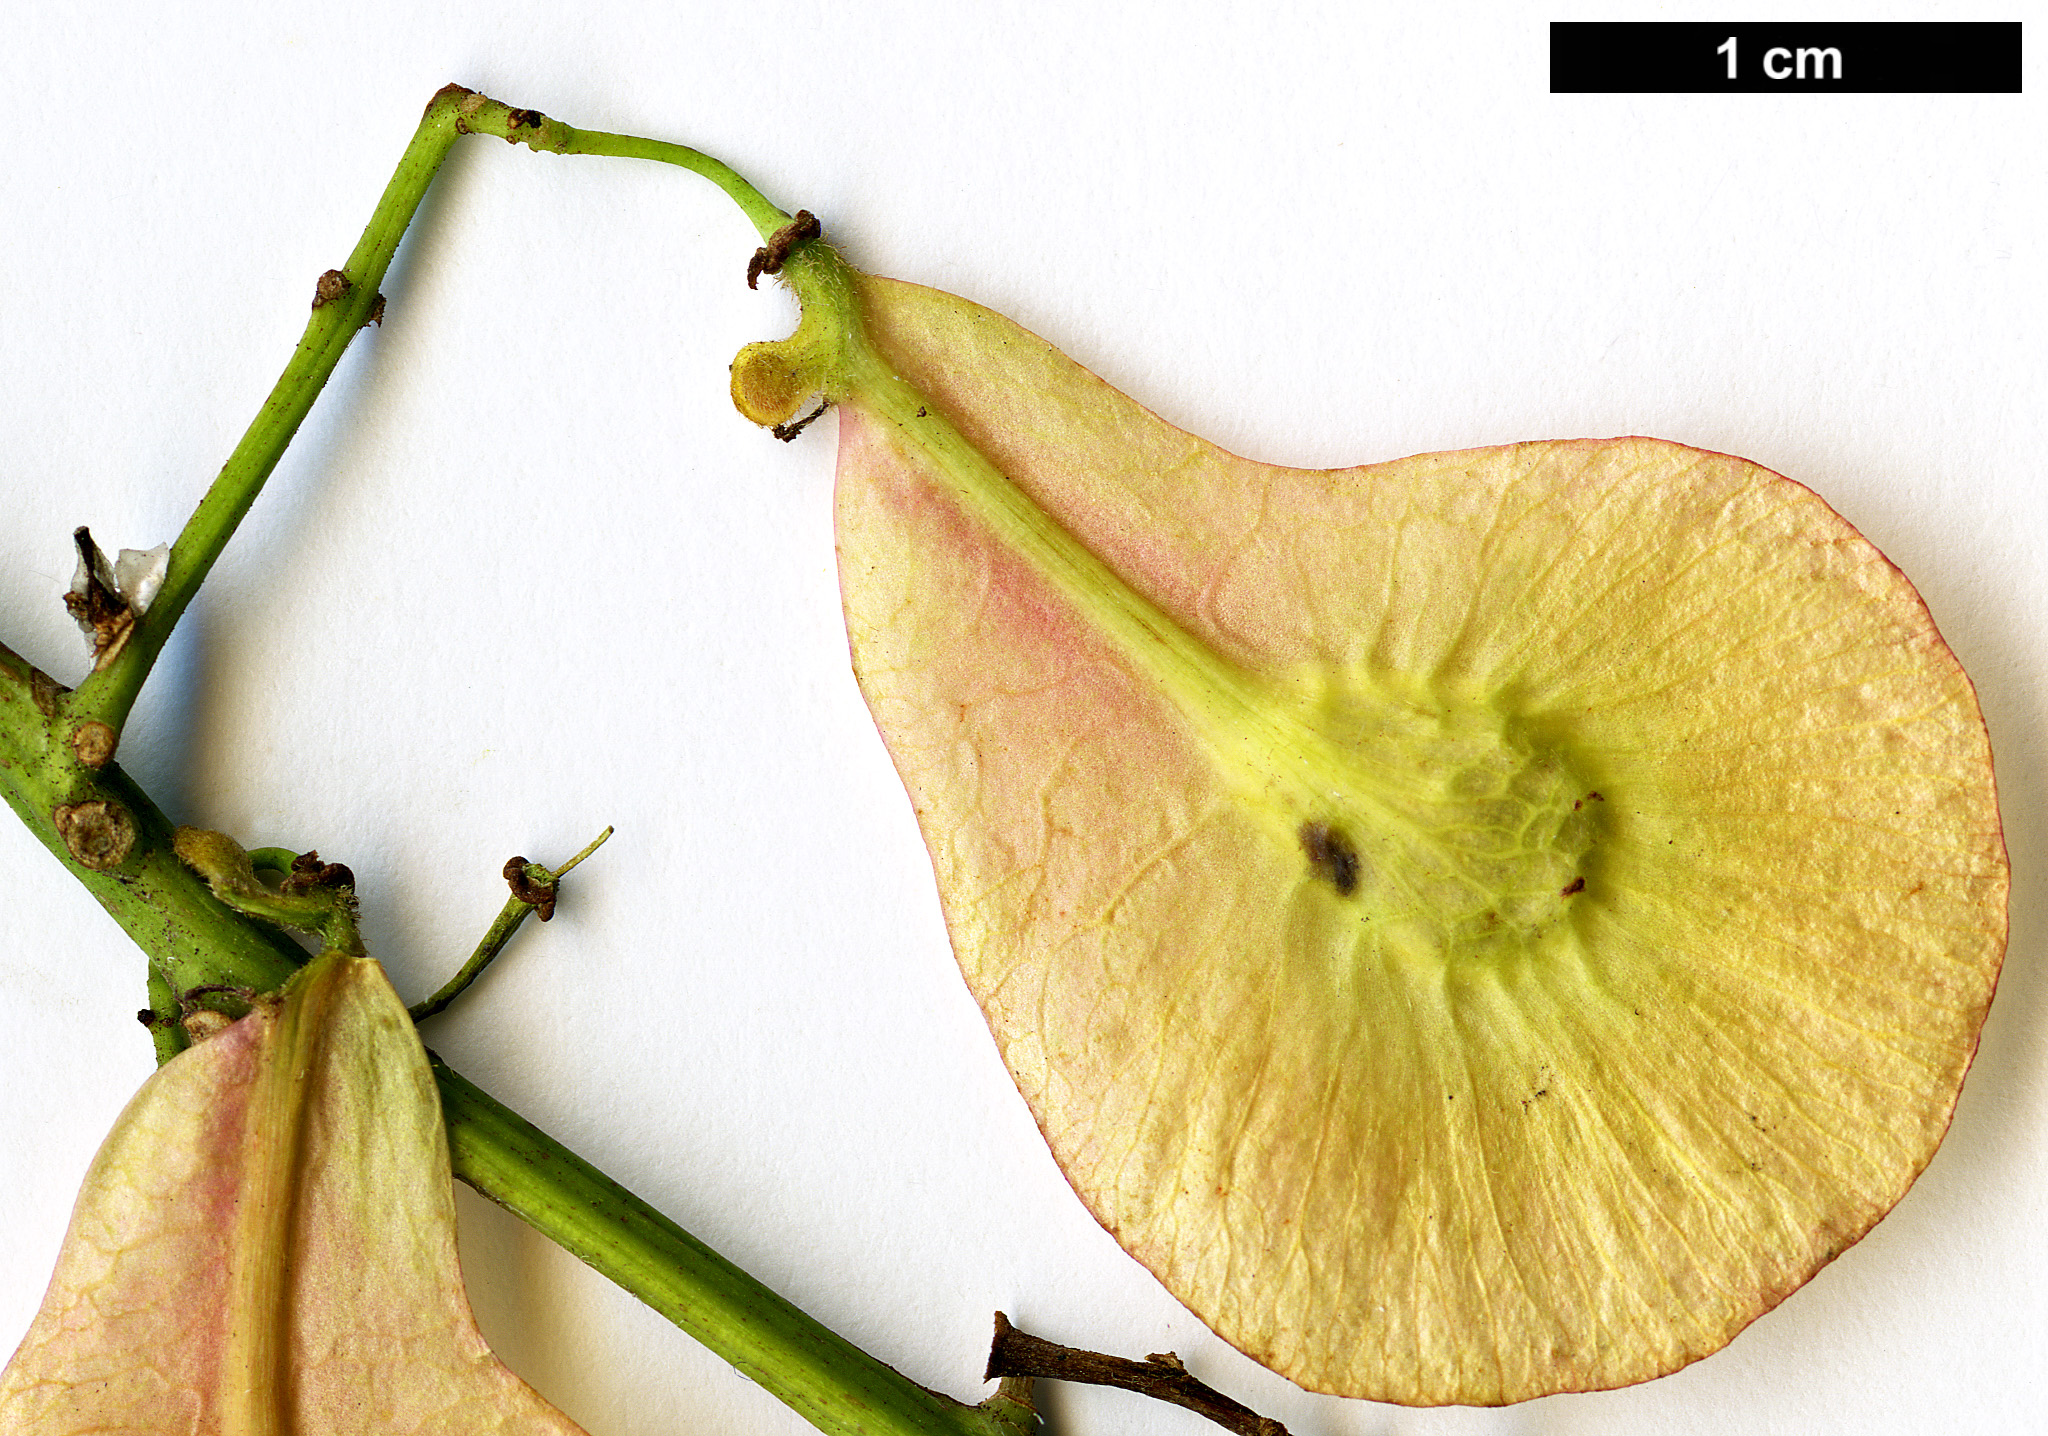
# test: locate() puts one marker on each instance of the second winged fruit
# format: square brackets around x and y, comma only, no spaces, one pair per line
[1476,926]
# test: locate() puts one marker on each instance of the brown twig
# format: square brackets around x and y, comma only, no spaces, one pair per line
[1160,1376]
[787,432]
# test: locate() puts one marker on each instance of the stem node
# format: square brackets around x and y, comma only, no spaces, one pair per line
[334,285]
[98,833]
[93,742]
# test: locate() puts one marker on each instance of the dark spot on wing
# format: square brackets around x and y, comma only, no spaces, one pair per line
[1331,856]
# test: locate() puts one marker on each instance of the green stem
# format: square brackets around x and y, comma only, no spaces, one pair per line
[766,217]
[109,694]
[116,841]
[194,940]
[510,916]
[273,860]
[165,1030]
[828,1380]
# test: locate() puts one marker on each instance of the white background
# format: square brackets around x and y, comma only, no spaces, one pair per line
[525,573]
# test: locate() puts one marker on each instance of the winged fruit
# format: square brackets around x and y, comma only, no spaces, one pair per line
[1475,926]
[266,1245]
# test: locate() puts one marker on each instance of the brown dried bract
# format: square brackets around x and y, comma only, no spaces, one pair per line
[333,285]
[787,432]
[99,608]
[769,257]
[528,889]
[308,872]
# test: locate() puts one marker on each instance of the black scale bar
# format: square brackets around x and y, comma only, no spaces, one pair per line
[1905,58]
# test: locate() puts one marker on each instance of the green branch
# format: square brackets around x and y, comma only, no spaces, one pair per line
[826,1379]
[344,301]
[195,940]
[57,772]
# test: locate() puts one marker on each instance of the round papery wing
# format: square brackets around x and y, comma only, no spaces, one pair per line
[1629,971]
